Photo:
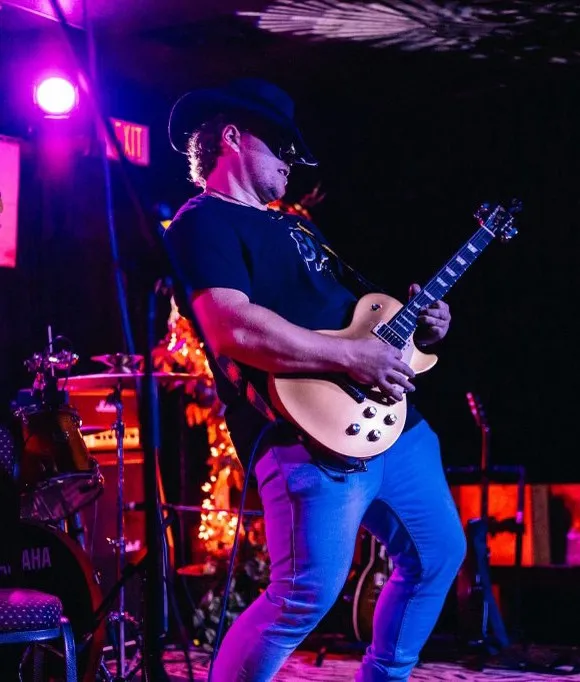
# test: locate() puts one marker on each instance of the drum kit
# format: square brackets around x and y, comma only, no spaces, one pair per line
[57,480]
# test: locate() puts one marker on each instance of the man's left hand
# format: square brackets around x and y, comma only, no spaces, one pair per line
[432,322]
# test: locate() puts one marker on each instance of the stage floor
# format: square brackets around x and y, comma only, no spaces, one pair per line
[341,668]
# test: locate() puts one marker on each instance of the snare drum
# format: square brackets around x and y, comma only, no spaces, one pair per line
[57,476]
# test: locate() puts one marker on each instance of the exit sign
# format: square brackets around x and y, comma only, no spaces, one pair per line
[134,140]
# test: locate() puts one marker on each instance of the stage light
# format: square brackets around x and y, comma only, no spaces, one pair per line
[56,97]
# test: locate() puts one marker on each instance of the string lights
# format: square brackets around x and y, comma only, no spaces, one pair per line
[182,350]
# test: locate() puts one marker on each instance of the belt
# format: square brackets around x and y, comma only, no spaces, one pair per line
[287,434]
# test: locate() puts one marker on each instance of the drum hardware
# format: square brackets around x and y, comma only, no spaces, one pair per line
[74,527]
[118,620]
[45,365]
[118,617]
[57,476]
[137,566]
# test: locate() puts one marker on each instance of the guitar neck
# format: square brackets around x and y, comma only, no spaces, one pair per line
[401,326]
[484,512]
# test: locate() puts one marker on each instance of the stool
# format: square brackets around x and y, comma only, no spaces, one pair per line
[28,616]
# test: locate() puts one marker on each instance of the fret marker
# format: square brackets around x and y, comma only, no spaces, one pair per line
[442,282]
[431,298]
[461,261]
[471,247]
[449,271]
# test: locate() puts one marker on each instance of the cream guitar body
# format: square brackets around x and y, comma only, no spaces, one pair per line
[357,427]
[358,421]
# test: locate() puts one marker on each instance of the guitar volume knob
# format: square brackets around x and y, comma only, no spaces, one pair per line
[353,429]
[369,411]
[390,419]
[374,435]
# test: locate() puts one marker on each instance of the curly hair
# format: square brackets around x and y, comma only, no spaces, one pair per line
[205,143]
[204,148]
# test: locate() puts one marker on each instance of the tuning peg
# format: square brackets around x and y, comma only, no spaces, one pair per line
[508,234]
[482,212]
[516,206]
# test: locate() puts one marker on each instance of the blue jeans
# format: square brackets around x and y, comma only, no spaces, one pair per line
[312,520]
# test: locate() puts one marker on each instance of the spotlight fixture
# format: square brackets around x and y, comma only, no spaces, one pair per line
[56,97]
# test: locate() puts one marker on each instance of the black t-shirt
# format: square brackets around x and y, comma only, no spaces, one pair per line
[279,262]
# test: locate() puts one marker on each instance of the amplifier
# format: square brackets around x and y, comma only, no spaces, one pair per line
[105,441]
[97,414]
[100,521]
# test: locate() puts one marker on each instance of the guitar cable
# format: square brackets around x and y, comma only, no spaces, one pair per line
[235,544]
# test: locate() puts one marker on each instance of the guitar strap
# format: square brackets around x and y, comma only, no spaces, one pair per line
[233,372]
[365,284]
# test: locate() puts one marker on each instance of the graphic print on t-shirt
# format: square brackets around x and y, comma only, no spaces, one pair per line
[310,249]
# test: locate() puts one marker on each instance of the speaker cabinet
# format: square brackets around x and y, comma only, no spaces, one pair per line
[100,520]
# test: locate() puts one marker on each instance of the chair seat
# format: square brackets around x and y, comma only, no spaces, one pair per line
[28,610]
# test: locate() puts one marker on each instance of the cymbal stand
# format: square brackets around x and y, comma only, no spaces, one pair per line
[119,617]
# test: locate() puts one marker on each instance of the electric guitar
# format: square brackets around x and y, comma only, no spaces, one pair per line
[357,420]
[477,607]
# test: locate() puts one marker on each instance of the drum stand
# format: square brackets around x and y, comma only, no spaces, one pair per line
[119,618]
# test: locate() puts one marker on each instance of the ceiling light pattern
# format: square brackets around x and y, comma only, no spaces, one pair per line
[446,26]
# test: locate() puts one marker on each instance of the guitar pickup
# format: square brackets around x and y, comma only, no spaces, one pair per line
[351,390]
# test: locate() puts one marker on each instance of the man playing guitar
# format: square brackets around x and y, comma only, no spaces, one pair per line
[262,282]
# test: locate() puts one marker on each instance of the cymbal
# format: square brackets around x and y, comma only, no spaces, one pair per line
[120,362]
[86,382]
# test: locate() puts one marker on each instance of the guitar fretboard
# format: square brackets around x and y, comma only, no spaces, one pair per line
[401,326]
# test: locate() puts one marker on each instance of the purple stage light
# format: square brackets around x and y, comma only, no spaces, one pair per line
[56,96]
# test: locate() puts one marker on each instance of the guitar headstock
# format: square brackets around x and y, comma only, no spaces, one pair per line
[477,410]
[499,220]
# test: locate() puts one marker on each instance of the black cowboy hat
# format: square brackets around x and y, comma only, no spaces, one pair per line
[265,100]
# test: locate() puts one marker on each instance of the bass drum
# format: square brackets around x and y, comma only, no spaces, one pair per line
[48,560]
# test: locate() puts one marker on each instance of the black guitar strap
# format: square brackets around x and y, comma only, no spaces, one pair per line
[366,286]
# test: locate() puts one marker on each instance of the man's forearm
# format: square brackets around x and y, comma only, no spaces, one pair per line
[256,336]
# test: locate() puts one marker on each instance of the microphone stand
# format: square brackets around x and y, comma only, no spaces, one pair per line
[154,604]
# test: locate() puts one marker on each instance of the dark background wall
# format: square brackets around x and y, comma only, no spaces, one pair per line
[409,146]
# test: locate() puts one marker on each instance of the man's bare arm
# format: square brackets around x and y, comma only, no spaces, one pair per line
[256,336]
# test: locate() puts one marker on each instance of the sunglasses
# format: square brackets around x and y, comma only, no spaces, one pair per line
[277,141]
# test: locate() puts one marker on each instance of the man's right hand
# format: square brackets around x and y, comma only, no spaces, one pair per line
[376,363]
